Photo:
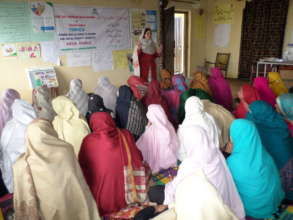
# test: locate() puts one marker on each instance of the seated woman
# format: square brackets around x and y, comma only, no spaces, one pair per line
[179,83]
[7,99]
[277,140]
[130,112]
[108,92]
[159,143]
[247,94]
[254,171]
[112,165]
[172,97]
[223,119]
[200,81]
[185,95]
[95,104]
[138,87]
[166,80]
[48,182]
[69,124]
[265,92]
[195,115]
[78,96]
[284,106]
[277,84]
[13,138]
[42,103]
[221,89]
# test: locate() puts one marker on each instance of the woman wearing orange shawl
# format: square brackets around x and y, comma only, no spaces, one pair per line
[200,81]
[247,94]
[112,165]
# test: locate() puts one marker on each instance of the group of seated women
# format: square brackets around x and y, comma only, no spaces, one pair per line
[93,156]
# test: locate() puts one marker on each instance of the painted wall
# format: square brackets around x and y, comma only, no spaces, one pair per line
[13,69]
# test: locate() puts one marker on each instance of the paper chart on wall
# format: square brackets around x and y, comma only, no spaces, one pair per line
[120,59]
[79,59]
[50,52]
[42,16]
[42,76]
[223,13]
[222,35]
[102,60]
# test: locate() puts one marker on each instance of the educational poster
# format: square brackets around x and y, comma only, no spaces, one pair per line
[50,52]
[199,27]
[76,27]
[102,60]
[222,35]
[42,76]
[79,59]
[42,16]
[28,50]
[120,59]
[223,13]
[9,50]
[113,30]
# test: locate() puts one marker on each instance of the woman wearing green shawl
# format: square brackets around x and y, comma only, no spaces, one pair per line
[275,137]
[254,171]
[185,95]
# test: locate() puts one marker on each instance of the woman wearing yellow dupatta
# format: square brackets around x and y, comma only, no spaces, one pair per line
[69,124]
[277,84]
[200,81]
[48,182]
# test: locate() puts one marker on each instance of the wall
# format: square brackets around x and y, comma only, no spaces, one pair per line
[289,27]
[13,69]
[235,36]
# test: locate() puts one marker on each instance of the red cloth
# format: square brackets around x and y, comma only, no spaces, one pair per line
[133,82]
[250,94]
[102,157]
[146,63]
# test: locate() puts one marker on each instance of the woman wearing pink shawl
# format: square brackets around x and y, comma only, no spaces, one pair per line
[179,83]
[172,96]
[265,92]
[159,143]
[220,88]
[8,97]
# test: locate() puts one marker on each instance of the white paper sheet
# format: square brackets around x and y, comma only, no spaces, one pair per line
[102,60]
[42,16]
[222,35]
[49,52]
[79,59]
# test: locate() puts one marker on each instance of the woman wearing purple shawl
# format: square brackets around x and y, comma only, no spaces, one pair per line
[220,88]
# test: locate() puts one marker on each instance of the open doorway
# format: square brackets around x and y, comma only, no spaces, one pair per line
[180,31]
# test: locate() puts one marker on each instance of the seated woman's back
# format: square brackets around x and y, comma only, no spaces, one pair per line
[48,180]
[104,157]
[254,171]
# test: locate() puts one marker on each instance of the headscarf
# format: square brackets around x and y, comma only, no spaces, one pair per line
[254,171]
[249,95]
[185,95]
[222,117]
[276,138]
[202,154]
[103,158]
[220,88]
[277,84]
[138,86]
[166,79]
[48,180]
[108,92]
[195,115]
[200,81]
[78,96]
[148,46]
[13,138]
[7,99]
[265,92]
[68,123]
[42,103]
[130,113]
[159,143]
[95,104]
[179,83]
[285,103]
[172,96]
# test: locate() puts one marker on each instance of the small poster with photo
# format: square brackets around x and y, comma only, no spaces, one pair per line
[41,77]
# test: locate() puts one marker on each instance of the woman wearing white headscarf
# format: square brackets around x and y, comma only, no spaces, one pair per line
[48,181]
[42,103]
[195,115]
[201,153]
[78,96]
[68,123]
[159,143]
[108,92]
[7,99]
[13,138]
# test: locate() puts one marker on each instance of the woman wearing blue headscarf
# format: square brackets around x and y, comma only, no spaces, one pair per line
[285,107]
[254,171]
[275,137]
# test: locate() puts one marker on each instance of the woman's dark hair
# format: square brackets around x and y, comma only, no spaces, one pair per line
[146,30]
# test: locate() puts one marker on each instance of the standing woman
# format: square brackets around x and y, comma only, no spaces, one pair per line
[254,171]
[144,56]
